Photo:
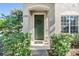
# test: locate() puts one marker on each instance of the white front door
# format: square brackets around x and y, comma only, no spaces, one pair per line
[40,30]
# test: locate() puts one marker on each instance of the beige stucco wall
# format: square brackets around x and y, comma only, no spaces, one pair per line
[55,11]
[64,9]
[28,23]
[28,20]
[54,15]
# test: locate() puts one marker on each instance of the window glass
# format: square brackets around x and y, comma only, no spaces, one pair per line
[69,24]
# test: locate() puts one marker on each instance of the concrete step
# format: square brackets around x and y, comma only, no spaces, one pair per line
[39,53]
[39,47]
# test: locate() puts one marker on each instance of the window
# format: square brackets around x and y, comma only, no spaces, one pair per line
[69,24]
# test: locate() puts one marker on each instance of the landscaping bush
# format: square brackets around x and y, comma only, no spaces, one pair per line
[16,44]
[61,43]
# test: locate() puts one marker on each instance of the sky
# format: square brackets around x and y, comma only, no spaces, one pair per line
[5,8]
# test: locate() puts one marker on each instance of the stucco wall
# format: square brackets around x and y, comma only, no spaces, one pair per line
[64,9]
[28,23]
[54,15]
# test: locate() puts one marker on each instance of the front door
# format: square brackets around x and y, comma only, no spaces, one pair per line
[39,27]
[40,30]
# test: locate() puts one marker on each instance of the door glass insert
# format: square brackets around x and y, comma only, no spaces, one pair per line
[39,27]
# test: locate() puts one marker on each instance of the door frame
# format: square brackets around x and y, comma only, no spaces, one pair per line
[45,30]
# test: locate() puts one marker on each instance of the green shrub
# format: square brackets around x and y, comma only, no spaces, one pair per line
[16,44]
[14,41]
[61,44]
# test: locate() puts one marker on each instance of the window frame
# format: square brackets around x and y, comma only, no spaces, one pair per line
[68,23]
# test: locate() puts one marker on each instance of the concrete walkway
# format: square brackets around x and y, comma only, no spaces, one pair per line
[39,53]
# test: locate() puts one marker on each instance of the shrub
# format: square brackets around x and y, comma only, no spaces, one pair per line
[16,44]
[61,44]
[14,41]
